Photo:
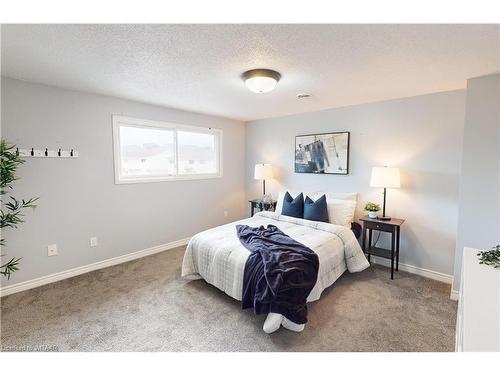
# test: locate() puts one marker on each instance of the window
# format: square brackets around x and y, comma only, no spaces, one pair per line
[158,151]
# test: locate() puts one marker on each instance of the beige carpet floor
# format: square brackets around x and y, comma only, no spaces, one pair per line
[145,305]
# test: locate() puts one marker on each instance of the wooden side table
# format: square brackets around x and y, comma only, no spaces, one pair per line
[393,227]
[256,204]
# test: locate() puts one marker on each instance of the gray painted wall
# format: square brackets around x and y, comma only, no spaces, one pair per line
[422,135]
[78,198]
[479,208]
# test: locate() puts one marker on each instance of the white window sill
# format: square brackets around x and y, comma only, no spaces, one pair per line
[141,180]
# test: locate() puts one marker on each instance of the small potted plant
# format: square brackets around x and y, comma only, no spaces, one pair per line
[490,258]
[372,209]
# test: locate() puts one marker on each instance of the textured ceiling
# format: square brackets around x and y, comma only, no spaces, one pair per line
[198,67]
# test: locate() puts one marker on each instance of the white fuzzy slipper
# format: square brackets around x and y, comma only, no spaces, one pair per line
[288,324]
[273,322]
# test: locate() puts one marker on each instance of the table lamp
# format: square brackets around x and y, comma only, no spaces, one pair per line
[385,177]
[263,172]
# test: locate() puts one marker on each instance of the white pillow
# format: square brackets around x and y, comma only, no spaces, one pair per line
[330,195]
[341,211]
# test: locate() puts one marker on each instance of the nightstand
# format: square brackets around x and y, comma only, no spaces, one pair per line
[256,203]
[393,227]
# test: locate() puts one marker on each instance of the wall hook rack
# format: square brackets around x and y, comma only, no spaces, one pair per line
[45,152]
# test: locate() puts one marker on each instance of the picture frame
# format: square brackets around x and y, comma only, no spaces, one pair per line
[322,153]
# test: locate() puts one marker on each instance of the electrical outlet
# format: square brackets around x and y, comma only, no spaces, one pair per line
[93,241]
[52,250]
[225,213]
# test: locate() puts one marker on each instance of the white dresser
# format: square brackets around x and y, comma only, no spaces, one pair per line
[478,316]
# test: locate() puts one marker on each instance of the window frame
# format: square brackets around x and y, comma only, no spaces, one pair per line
[119,121]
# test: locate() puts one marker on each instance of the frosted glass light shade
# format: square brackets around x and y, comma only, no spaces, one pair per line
[261,85]
[385,177]
[261,80]
[263,171]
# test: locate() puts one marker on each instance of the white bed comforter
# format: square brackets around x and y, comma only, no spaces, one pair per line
[217,255]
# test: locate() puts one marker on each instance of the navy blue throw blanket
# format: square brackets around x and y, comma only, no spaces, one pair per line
[279,273]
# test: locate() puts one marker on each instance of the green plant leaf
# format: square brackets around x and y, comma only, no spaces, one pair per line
[11,212]
[491,257]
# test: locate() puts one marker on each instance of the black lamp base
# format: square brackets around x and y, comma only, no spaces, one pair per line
[383,217]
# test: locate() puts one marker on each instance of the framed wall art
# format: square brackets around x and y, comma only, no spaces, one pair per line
[326,153]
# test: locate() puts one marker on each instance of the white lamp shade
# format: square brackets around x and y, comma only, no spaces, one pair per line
[385,177]
[263,171]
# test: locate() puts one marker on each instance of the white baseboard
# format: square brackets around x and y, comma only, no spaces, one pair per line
[29,284]
[454,295]
[448,279]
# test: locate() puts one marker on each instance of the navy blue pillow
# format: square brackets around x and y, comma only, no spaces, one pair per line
[317,211]
[293,207]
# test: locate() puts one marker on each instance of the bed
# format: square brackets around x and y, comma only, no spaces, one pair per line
[217,256]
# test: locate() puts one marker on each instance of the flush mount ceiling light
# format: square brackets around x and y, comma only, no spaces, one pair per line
[261,80]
